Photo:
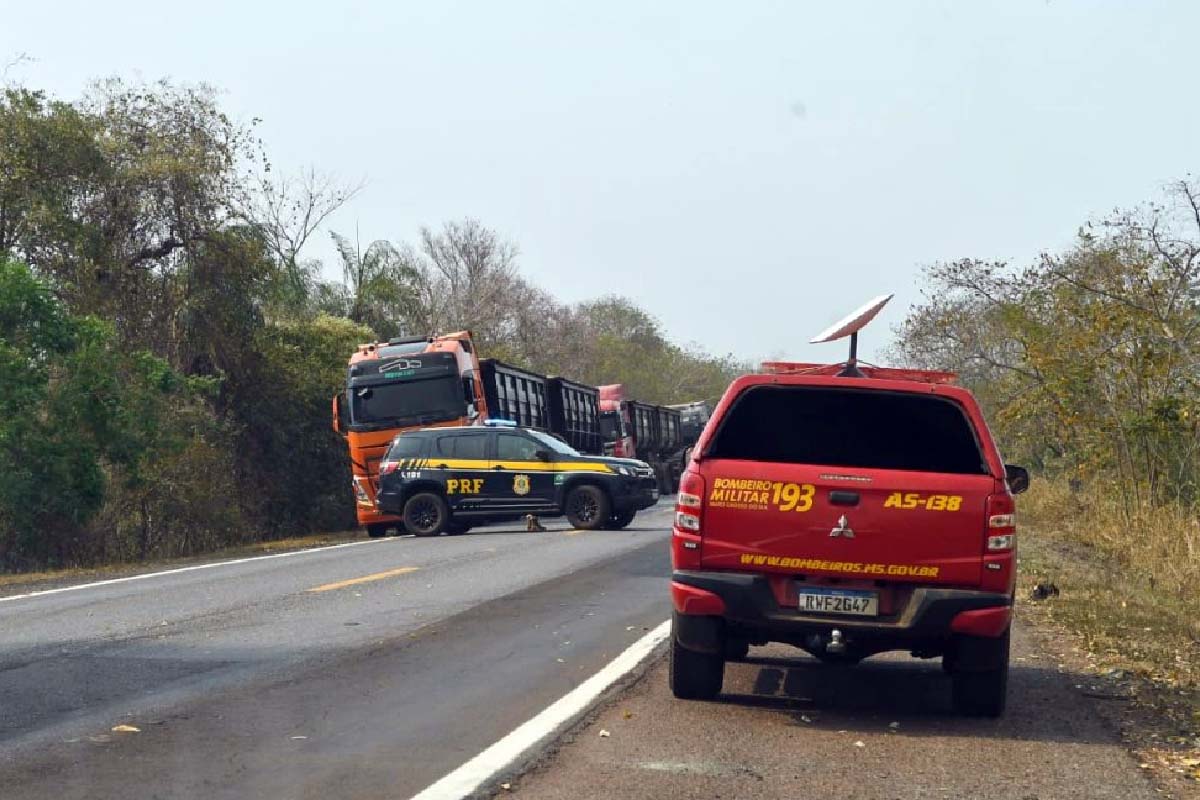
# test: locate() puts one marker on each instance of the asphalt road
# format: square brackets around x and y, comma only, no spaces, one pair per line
[789,727]
[362,671]
[373,669]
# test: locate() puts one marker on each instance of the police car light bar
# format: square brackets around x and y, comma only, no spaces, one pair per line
[850,326]
[500,423]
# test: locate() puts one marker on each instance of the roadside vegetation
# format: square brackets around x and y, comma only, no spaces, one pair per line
[168,354]
[1088,364]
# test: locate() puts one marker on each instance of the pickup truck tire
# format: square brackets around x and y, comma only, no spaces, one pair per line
[378,530]
[587,507]
[618,521]
[981,693]
[693,675]
[426,514]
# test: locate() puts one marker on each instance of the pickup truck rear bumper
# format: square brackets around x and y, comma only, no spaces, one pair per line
[747,608]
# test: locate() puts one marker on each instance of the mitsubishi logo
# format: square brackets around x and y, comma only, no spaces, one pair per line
[843,528]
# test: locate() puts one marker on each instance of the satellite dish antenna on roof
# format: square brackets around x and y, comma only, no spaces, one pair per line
[850,326]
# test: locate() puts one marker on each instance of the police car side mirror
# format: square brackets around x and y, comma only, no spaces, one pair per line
[1017,477]
[543,455]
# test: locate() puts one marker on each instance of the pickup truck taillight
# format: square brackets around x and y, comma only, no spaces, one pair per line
[1001,523]
[689,503]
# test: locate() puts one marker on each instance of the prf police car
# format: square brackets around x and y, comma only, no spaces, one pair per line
[448,479]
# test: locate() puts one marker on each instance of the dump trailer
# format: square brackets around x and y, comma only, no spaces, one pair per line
[692,419]
[565,408]
[514,394]
[575,414]
[652,433]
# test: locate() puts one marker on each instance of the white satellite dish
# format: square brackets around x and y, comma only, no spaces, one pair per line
[850,326]
[854,322]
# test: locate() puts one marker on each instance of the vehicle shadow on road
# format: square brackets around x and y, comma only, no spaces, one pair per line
[912,697]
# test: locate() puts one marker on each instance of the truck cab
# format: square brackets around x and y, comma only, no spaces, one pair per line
[398,385]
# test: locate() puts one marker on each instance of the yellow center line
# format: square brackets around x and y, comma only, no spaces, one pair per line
[378,576]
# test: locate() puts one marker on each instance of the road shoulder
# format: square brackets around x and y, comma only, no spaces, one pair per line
[790,727]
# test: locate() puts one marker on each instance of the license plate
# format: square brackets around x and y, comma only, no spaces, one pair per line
[839,601]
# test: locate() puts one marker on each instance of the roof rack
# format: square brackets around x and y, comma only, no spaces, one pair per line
[867,370]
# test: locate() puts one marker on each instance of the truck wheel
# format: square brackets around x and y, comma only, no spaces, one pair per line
[426,514]
[618,521]
[587,507]
[695,676]
[981,693]
[377,530]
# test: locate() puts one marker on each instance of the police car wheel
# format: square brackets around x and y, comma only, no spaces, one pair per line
[426,514]
[588,508]
[618,521]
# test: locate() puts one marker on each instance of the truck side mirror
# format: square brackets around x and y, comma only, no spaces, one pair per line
[1017,477]
[337,413]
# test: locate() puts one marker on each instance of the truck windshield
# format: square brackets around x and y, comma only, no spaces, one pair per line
[556,445]
[849,428]
[610,426]
[422,402]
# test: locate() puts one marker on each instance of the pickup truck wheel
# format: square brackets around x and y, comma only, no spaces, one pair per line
[378,530]
[981,693]
[426,514]
[588,508]
[695,676]
[618,521]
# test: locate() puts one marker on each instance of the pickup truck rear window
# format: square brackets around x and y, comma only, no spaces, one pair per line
[849,428]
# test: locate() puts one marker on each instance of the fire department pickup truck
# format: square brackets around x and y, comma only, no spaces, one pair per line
[847,512]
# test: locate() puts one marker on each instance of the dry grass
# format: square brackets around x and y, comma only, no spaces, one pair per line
[1131,589]
[1159,545]
[1128,610]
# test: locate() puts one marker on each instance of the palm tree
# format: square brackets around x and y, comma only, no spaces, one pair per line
[378,284]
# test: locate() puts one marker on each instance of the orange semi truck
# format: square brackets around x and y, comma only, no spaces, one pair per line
[416,382]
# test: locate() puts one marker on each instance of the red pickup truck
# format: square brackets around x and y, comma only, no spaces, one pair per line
[846,515]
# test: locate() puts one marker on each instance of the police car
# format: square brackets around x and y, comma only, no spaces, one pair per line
[448,479]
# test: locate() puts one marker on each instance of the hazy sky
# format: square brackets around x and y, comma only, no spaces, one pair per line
[748,172]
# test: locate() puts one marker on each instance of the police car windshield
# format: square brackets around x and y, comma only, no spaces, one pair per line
[556,445]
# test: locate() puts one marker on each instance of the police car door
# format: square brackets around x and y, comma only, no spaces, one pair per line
[522,481]
[462,460]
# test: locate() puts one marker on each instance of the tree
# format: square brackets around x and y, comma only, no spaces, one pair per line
[77,412]
[287,212]
[377,287]
[1087,360]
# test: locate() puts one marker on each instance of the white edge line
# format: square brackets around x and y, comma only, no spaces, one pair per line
[470,776]
[176,571]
